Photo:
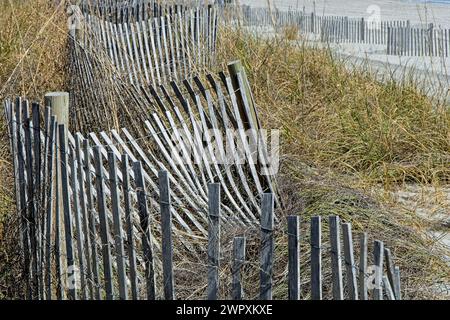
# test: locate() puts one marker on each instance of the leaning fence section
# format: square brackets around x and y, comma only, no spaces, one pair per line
[158,163]
[94,226]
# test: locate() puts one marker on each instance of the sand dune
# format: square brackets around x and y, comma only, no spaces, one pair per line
[416,11]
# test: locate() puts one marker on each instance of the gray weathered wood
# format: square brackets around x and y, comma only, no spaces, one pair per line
[84,214]
[31,201]
[213,240]
[129,221]
[104,228]
[362,278]
[49,206]
[352,285]
[37,165]
[145,229]
[237,292]
[77,215]
[117,221]
[293,230]
[67,213]
[397,284]
[387,286]
[316,258]
[378,264]
[91,219]
[166,229]
[336,263]
[267,246]
[390,269]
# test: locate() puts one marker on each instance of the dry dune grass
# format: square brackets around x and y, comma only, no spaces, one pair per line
[343,134]
[342,120]
[347,140]
[32,61]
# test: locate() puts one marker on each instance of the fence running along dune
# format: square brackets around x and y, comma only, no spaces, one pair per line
[398,37]
[114,199]
[104,230]
[117,11]
[116,66]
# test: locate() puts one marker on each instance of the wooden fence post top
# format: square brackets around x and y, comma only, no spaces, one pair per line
[59,106]
[214,199]
[267,207]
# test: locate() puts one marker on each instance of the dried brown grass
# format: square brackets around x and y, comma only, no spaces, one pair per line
[32,62]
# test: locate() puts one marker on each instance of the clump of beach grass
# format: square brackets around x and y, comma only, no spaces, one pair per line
[347,139]
[33,60]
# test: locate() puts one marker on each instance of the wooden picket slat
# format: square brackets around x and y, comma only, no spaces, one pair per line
[293,225]
[316,258]
[267,246]
[213,240]
[166,229]
[237,291]
[145,230]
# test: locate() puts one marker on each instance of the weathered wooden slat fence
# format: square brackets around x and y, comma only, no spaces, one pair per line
[133,240]
[146,181]
[157,50]
[120,11]
[395,37]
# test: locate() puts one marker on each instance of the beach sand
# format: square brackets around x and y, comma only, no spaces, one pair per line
[415,11]
[432,72]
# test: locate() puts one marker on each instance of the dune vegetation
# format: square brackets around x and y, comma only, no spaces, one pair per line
[348,140]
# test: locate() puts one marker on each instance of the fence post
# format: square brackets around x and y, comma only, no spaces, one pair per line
[238,261]
[293,228]
[166,230]
[145,228]
[316,258]
[378,263]
[267,246]
[213,240]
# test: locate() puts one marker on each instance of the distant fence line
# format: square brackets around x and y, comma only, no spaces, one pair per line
[108,234]
[130,60]
[119,11]
[399,37]
[157,50]
[106,213]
